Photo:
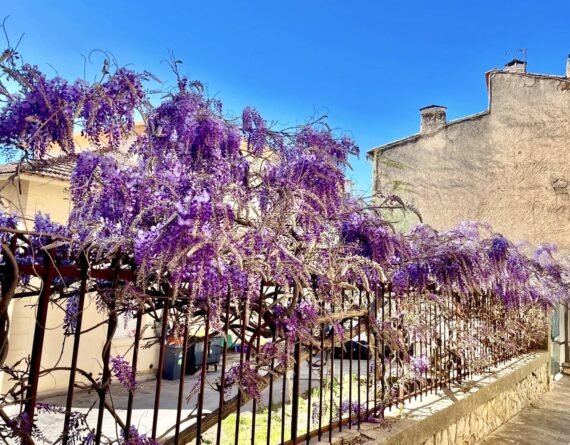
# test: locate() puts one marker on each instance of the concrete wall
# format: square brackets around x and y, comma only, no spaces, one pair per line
[49,195]
[473,418]
[509,166]
[462,414]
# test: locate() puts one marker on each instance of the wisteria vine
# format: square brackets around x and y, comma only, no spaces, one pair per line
[198,204]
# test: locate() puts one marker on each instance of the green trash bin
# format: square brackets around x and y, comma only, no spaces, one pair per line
[231,342]
[172,362]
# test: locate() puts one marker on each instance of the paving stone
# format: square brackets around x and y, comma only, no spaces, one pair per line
[544,422]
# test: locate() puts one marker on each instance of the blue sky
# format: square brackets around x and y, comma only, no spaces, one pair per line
[369,65]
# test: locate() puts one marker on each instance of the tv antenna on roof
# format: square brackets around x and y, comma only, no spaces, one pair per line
[522,51]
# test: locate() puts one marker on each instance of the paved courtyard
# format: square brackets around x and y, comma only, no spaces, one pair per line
[52,425]
[545,422]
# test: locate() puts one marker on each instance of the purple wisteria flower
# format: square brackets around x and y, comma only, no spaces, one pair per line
[248,380]
[71,313]
[339,331]
[124,373]
[419,365]
[354,409]
[133,437]
[498,248]
[21,426]
[215,215]
[89,439]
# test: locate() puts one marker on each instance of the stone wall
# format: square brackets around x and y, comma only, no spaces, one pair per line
[460,416]
[486,418]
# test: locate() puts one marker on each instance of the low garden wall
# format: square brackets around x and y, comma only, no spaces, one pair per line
[465,413]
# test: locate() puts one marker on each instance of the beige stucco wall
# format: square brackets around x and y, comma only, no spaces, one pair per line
[50,195]
[499,167]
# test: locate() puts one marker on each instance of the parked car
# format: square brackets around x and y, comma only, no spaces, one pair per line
[351,348]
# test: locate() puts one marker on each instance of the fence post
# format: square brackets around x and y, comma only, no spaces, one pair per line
[39,334]
[7,289]
[106,352]
[76,339]
[295,395]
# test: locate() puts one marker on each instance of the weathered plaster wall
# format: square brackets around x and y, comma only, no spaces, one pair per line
[509,167]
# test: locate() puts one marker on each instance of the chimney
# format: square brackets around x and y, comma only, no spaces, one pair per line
[432,118]
[568,66]
[516,66]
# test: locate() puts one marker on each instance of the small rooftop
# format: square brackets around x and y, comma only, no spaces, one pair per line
[60,167]
[429,112]
[515,62]
[433,106]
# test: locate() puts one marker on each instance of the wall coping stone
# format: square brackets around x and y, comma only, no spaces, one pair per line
[419,421]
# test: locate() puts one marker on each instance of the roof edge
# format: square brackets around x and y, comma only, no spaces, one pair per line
[417,136]
[489,73]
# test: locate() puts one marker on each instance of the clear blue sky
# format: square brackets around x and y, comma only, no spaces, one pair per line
[369,64]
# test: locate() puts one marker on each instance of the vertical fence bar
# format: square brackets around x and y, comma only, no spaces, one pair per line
[106,353]
[332,381]
[321,382]
[376,351]
[112,325]
[425,337]
[390,356]
[134,365]
[421,339]
[270,402]
[468,332]
[358,412]
[452,341]
[397,353]
[430,334]
[309,393]
[8,285]
[182,377]
[383,346]
[156,409]
[438,382]
[75,354]
[203,376]
[447,341]
[411,345]
[351,357]
[458,335]
[295,395]
[39,334]
[257,343]
[223,374]
[368,349]
[241,353]
[342,343]
[283,396]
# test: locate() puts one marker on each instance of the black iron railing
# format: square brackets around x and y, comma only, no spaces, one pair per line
[368,352]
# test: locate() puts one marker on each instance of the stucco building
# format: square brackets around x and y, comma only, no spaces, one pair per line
[43,186]
[508,165]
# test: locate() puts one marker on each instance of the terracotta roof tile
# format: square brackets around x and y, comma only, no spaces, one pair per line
[60,167]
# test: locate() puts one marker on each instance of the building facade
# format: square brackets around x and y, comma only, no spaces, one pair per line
[508,166]
[43,186]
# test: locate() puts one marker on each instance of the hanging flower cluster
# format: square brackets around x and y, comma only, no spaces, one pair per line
[123,371]
[45,112]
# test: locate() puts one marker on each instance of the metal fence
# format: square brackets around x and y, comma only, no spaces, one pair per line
[368,352]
